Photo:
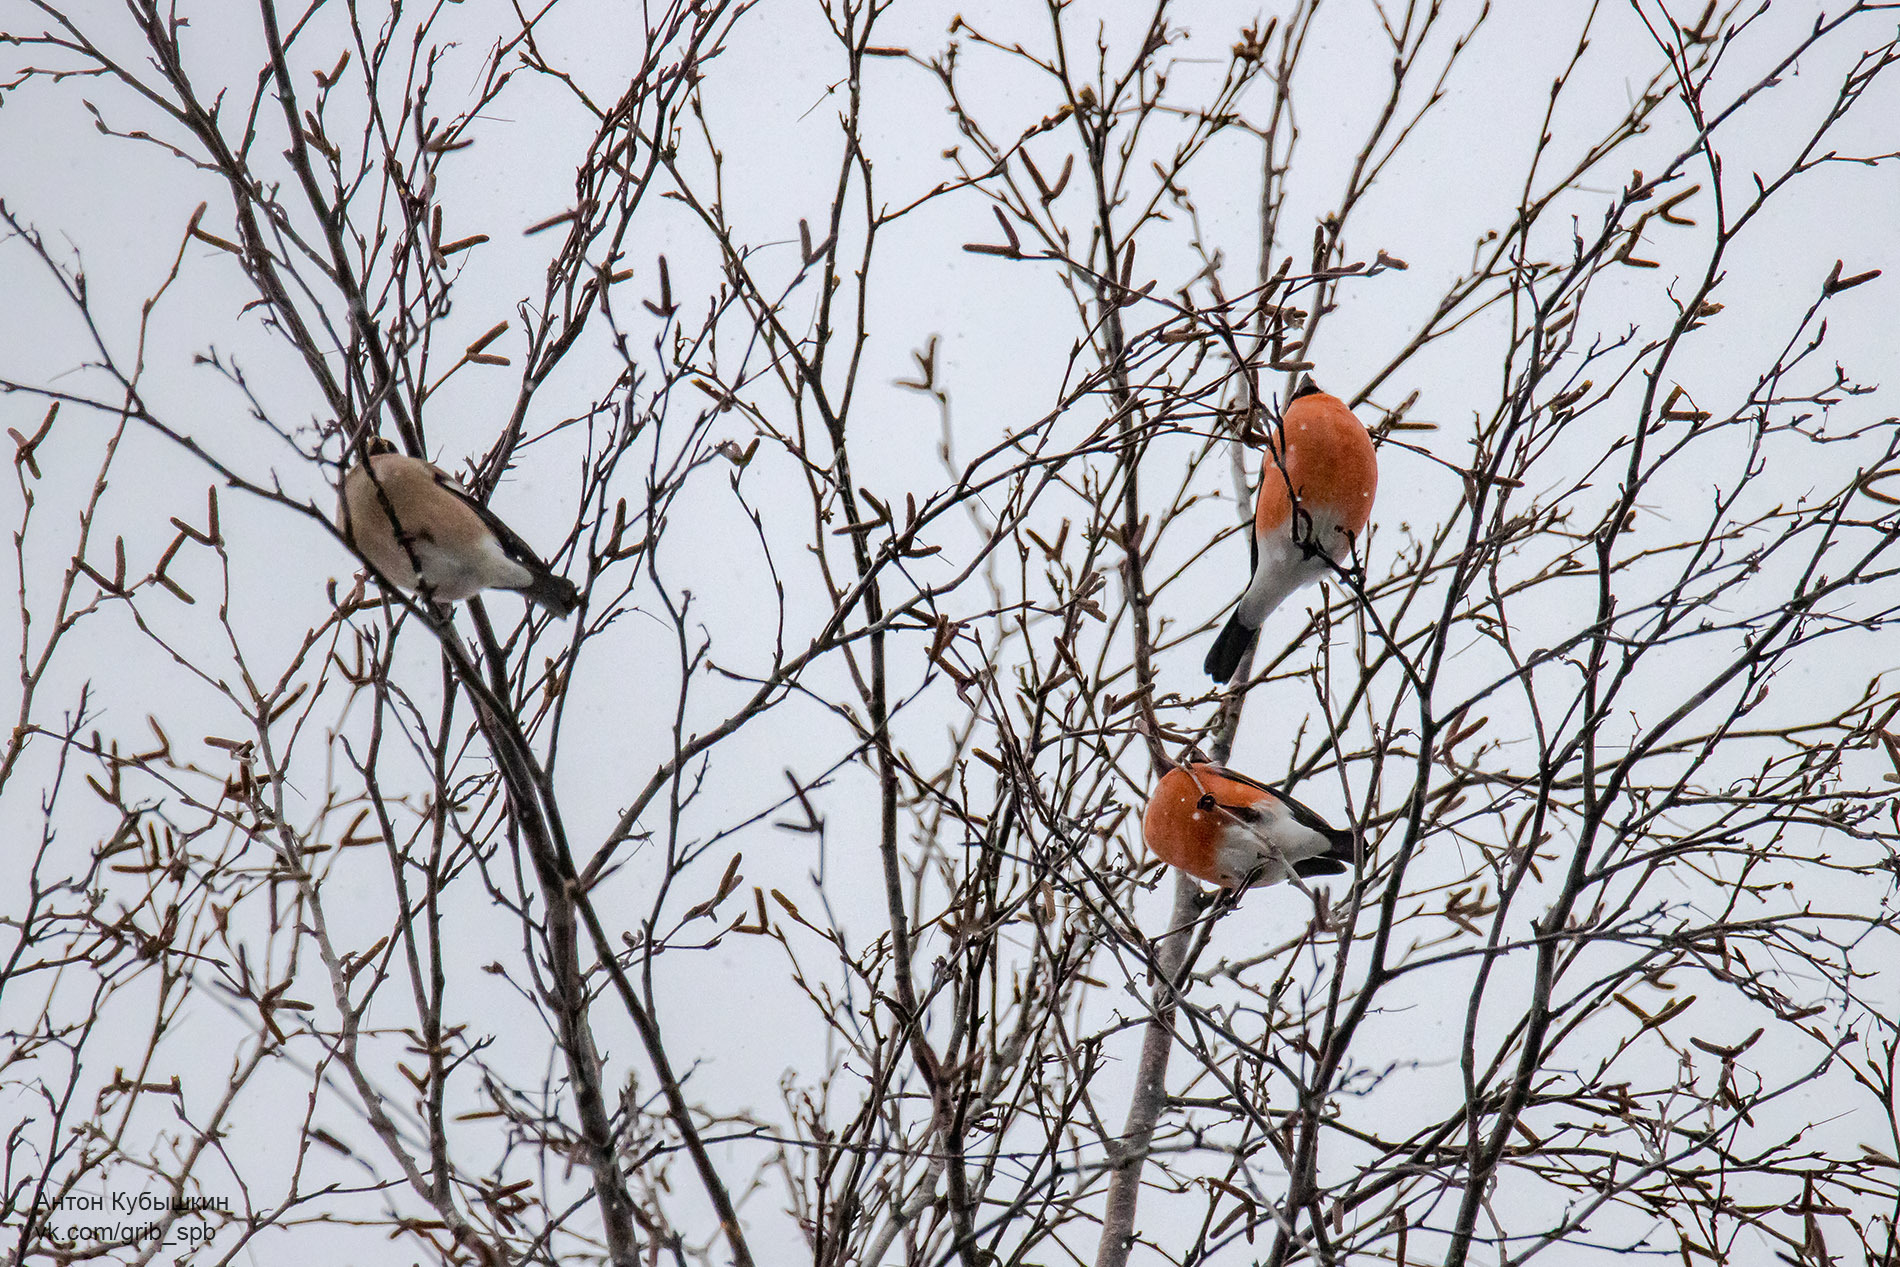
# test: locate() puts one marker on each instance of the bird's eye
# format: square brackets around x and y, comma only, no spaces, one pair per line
[1205,804]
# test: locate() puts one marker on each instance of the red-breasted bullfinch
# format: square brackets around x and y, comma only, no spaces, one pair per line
[1226,829]
[1316,488]
[448,544]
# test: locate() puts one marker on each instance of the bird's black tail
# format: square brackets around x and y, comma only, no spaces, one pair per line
[1224,657]
[556,593]
[1338,858]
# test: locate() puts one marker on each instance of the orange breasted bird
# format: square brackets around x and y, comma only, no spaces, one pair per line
[441,539]
[1226,829]
[1316,489]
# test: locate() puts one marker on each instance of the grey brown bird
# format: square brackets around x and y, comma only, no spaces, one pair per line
[441,541]
[1226,829]
[1316,489]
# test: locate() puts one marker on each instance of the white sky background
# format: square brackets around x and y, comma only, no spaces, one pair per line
[1006,331]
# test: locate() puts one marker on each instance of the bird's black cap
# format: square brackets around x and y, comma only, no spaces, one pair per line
[1307,387]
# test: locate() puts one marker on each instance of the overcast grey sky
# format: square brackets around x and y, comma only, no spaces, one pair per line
[119,208]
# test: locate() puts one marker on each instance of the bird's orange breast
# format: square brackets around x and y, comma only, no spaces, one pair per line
[1324,459]
[1180,831]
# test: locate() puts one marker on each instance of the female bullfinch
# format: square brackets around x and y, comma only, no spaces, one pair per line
[442,541]
[1226,829]
[1316,490]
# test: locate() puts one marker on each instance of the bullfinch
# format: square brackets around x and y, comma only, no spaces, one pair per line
[442,540]
[1316,489]
[1226,829]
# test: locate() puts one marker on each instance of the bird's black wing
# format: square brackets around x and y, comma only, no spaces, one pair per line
[1341,853]
[511,543]
[546,587]
[1306,817]
[1253,542]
